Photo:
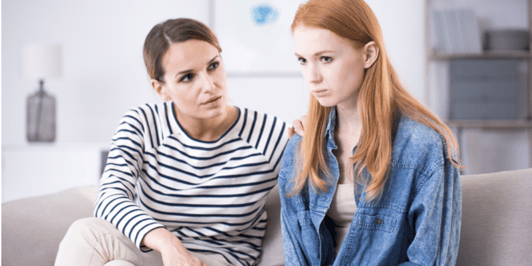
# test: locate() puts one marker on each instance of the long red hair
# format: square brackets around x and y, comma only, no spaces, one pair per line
[380,96]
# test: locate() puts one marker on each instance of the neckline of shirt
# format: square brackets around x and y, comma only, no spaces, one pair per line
[177,125]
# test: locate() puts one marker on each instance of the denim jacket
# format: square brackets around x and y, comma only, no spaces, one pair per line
[415,222]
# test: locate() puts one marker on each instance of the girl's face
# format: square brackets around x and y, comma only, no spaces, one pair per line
[332,66]
[195,80]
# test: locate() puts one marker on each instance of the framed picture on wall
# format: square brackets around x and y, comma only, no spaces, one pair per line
[255,36]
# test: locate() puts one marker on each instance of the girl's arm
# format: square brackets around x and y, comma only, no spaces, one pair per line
[435,216]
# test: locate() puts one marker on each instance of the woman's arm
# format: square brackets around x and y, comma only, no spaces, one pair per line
[117,191]
[172,250]
[435,216]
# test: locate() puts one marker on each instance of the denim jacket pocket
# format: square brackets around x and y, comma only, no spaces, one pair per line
[375,222]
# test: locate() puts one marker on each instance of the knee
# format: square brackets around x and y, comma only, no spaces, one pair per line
[90,227]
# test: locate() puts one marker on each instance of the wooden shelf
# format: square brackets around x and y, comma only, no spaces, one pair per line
[483,55]
[500,124]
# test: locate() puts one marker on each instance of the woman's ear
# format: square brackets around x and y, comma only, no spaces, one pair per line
[159,89]
[371,53]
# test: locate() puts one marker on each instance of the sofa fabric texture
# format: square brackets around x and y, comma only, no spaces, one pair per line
[496,222]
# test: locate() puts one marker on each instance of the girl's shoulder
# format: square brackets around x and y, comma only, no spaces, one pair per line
[417,144]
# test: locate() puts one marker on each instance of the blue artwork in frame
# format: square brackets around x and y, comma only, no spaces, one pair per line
[255,36]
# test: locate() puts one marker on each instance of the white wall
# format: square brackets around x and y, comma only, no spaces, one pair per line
[103,71]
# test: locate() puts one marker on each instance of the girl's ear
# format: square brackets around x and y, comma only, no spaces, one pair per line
[159,89]
[371,53]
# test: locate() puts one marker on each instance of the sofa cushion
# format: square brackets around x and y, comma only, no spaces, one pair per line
[272,244]
[496,219]
[37,225]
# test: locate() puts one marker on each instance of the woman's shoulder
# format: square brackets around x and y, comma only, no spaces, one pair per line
[256,126]
[149,109]
[253,116]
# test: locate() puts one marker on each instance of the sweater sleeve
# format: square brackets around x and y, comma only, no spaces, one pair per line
[116,196]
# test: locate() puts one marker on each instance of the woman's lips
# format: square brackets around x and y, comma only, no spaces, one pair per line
[212,100]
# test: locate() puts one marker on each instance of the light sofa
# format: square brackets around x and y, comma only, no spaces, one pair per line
[496,223]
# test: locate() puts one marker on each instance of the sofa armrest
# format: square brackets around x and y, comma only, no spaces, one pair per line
[496,219]
[32,228]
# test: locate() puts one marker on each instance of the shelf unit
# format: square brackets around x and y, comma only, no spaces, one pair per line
[431,55]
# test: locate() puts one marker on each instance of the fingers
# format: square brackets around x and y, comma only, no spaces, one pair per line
[298,127]
[290,132]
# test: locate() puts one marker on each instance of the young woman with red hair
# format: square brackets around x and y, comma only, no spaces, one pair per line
[375,178]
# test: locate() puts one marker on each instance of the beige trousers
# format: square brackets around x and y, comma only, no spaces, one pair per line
[95,241]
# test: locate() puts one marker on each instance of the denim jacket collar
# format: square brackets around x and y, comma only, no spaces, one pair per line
[330,130]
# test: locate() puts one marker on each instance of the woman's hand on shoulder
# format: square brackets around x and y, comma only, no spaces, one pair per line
[173,252]
[298,126]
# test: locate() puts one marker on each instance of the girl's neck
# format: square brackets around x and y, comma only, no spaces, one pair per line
[208,129]
[347,135]
[349,121]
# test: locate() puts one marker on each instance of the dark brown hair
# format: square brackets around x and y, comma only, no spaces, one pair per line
[172,31]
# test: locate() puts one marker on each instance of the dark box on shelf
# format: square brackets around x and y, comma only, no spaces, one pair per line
[488,89]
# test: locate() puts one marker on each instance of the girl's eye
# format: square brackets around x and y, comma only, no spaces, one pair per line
[186,78]
[326,59]
[302,60]
[214,66]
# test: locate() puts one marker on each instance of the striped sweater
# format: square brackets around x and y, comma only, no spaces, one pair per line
[210,195]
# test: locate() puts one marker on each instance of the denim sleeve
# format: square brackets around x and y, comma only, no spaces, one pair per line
[292,255]
[291,231]
[435,215]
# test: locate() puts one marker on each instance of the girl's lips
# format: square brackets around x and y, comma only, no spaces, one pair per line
[319,92]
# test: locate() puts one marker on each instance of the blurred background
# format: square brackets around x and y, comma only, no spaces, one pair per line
[102,75]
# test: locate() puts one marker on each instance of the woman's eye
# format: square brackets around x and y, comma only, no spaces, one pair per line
[186,78]
[214,65]
[302,60]
[326,59]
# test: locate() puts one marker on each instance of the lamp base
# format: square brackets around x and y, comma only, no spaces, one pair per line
[40,126]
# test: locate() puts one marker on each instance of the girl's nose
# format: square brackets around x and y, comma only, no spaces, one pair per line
[314,75]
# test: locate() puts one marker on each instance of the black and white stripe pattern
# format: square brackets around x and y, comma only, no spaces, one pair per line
[209,194]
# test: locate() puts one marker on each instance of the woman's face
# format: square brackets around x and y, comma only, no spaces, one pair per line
[332,66]
[195,80]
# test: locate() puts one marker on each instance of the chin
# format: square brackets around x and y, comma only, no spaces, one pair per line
[326,103]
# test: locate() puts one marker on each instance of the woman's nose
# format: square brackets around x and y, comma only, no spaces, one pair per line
[208,82]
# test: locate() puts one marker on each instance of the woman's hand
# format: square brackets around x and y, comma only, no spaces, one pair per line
[299,125]
[173,252]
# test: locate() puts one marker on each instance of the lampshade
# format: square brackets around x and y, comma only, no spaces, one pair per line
[41,61]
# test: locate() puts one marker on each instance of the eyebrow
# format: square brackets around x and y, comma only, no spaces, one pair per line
[192,70]
[318,53]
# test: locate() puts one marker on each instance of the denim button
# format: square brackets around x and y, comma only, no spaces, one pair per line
[379,221]
[358,198]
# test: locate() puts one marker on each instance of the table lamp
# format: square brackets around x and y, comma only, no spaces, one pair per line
[41,62]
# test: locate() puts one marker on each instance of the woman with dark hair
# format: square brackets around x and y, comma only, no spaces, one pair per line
[187,177]
[374,180]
